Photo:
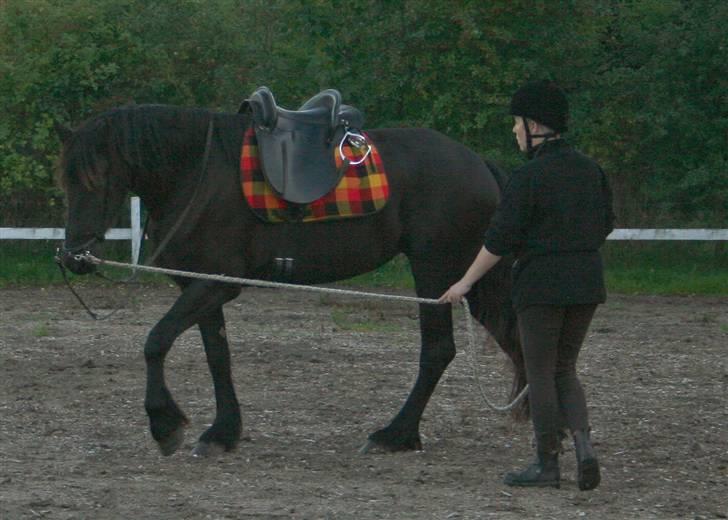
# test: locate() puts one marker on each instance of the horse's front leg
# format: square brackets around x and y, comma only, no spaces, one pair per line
[198,299]
[438,350]
[225,431]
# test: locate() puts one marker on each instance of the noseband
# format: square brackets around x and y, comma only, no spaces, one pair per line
[77,252]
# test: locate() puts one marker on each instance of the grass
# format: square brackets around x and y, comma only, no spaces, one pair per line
[23,262]
[41,330]
[677,268]
[665,267]
[31,262]
[394,274]
[680,268]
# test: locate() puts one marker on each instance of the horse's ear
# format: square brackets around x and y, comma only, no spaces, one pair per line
[64,133]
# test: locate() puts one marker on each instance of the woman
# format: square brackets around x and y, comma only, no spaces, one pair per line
[555,214]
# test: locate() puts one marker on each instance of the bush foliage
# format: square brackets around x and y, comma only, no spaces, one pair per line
[646,79]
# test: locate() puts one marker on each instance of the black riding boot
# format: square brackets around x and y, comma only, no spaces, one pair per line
[586,461]
[545,471]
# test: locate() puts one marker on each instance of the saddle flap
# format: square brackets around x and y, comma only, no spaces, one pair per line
[299,162]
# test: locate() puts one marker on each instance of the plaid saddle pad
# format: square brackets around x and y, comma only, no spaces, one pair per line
[362,190]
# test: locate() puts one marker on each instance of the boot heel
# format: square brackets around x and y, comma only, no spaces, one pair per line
[532,477]
[545,471]
[587,466]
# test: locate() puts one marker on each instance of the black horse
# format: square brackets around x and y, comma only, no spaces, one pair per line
[442,196]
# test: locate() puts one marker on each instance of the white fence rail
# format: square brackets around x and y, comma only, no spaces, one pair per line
[669,234]
[134,233]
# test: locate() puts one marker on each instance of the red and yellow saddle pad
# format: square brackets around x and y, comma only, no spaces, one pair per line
[362,190]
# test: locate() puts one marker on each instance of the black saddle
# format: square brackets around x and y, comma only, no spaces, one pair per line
[296,147]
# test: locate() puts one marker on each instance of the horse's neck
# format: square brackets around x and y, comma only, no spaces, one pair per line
[179,172]
[150,189]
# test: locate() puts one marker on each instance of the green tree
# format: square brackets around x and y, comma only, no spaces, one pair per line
[62,61]
[646,78]
[658,115]
[449,65]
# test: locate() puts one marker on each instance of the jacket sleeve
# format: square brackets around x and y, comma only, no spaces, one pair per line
[507,231]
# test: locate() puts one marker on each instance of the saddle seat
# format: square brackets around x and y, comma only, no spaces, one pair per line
[296,147]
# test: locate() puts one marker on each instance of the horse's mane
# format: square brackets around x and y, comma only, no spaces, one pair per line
[141,138]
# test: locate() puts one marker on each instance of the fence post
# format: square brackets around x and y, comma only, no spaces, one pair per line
[136,229]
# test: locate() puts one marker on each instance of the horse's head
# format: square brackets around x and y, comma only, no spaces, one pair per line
[94,192]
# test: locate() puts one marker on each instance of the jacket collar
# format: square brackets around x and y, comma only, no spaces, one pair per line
[549,146]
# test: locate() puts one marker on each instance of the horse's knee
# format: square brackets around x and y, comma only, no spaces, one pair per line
[158,343]
[230,290]
[438,354]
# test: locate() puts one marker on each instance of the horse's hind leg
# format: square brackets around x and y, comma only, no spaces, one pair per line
[224,433]
[198,299]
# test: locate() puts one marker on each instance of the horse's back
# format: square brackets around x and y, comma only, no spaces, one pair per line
[448,193]
[441,197]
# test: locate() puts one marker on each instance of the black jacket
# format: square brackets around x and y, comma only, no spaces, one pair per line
[555,214]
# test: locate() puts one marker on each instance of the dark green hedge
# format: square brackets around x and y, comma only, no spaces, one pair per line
[647,79]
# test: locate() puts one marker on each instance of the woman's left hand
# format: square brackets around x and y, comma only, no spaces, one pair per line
[455,293]
[482,263]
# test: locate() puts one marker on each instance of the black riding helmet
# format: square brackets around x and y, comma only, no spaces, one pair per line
[544,102]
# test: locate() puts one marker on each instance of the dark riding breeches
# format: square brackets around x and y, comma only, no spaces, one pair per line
[551,338]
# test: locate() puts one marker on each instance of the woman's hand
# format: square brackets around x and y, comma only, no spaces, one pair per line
[482,263]
[455,293]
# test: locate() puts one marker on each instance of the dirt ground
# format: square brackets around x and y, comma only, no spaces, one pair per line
[315,375]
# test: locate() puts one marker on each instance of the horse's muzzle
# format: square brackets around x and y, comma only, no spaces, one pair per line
[76,262]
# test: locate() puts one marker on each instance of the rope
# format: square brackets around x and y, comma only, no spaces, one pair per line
[473,362]
[327,290]
[260,283]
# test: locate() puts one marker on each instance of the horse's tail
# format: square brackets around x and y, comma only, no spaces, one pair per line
[506,332]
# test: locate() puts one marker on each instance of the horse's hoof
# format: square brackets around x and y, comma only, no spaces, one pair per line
[208,449]
[172,443]
[371,446]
